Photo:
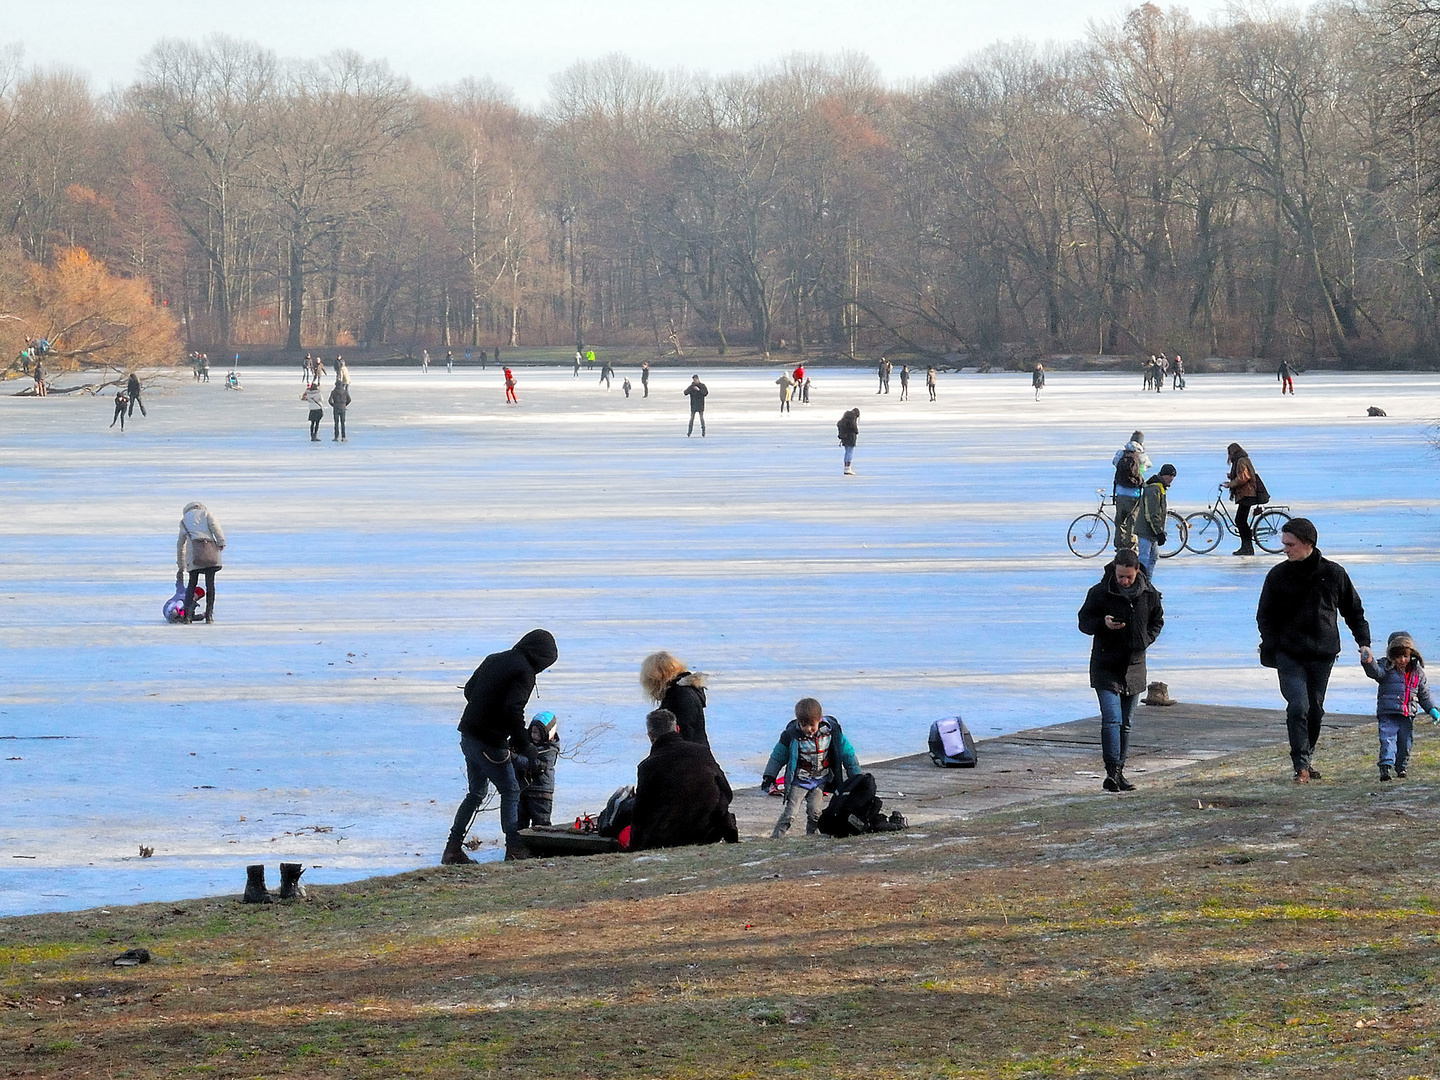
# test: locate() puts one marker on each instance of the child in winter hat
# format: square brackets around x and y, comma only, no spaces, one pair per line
[1404,692]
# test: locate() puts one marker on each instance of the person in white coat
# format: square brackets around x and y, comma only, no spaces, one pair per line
[197,551]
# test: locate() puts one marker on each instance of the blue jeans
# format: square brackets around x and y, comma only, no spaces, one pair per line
[1396,735]
[849,453]
[1115,713]
[1303,684]
[486,765]
[1149,552]
[794,796]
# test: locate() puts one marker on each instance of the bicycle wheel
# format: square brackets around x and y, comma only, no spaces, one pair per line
[1205,532]
[1267,530]
[1089,535]
[1176,530]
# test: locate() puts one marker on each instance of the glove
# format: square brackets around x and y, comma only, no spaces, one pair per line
[767,783]
[1435,716]
[1160,540]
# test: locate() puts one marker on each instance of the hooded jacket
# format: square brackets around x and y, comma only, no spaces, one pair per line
[786,756]
[200,541]
[1298,610]
[1404,692]
[848,427]
[1150,522]
[1145,466]
[1117,657]
[312,398]
[681,797]
[685,697]
[496,695]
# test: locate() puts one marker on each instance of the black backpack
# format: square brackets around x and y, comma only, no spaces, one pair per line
[618,812]
[856,809]
[962,756]
[1127,472]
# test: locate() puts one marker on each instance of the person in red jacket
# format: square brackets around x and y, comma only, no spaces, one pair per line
[510,388]
[799,375]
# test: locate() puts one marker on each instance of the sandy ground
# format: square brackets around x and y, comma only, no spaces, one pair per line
[364,581]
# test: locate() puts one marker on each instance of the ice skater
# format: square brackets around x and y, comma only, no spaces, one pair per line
[132,388]
[626,387]
[342,373]
[848,427]
[904,382]
[339,402]
[1177,382]
[578,358]
[645,379]
[510,396]
[449,362]
[1037,379]
[883,371]
[311,397]
[122,399]
[197,551]
[1285,376]
[425,361]
[319,368]
[1404,693]
[805,391]
[930,381]
[786,384]
[696,392]
[606,374]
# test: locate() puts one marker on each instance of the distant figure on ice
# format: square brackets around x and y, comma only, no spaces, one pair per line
[311,397]
[645,379]
[798,375]
[307,370]
[37,375]
[425,360]
[883,371]
[197,551]
[606,373]
[510,388]
[1177,381]
[492,727]
[1285,375]
[904,382]
[671,685]
[1123,616]
[319,367]
[930,381]
[681,794]
[342,373]
[848,427]
[786,384]
[696,392]
[122,399]
[626,386]
[805,391]
[339,402]
[132,390]
[578,358]
[814,756]
[1404,694]
[1037,379]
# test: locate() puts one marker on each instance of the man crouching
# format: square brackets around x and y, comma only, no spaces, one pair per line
[681,794]
[816,757]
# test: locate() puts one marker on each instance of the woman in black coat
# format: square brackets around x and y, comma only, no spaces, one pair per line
[672,686]
[1123,616]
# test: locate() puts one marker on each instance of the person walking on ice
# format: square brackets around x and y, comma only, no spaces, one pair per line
[904,382]
[606,373]
[814,757]
[510,388]
[311,397]
[1404,693]
[848,427]
[645,379]
[1150,521]
[930,381]
[339,402]
[1285,376]
[132,390]
[786,383]
[696,392]
[1037,379]
[197,552]
[626,386]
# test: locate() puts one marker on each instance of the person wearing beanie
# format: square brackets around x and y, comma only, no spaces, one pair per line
[1298,617]
[1150,520]
[1404,693]
[1131,464]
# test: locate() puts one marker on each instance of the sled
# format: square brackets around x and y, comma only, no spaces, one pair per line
[551,841]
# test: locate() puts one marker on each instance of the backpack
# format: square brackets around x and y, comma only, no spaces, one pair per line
[856,809]
[618,812]
[951,744]
[1127,470]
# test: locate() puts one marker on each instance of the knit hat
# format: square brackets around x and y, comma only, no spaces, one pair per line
[1402,640]
[1166,470]
[1303,529]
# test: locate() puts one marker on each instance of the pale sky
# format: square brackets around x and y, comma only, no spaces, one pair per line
[521,44]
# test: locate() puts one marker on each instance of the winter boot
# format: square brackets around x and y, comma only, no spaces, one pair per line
[255,890]
[1400,771]
[1244,549]
[290,887]
[1121,784]
[455,855]
[849,471]
[1109,784]
[1159,694]
[1384,772]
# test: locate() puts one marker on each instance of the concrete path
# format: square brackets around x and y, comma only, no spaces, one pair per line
[1063,759]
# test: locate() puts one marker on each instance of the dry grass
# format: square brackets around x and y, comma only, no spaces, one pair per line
[1277,931]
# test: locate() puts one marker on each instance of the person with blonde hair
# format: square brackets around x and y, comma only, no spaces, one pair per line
[671,685]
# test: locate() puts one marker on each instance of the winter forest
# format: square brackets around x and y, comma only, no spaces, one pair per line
[1262,186]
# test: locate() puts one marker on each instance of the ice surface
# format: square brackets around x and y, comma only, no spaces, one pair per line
[363,581]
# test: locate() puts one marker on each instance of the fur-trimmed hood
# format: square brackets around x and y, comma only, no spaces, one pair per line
[690,678]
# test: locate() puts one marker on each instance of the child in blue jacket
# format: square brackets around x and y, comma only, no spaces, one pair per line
[816,757]
[1404,692]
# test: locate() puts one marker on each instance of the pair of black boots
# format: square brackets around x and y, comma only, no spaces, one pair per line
[1115,781]
[290,887]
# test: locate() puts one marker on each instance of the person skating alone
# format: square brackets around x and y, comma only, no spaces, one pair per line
[1131,464]
[1150,523]
[814,756]
[1123,616]
[122,400]
[197,552]
[132,390]
[510,396]
[904,382]
[578,357]
[339,402]
[425,361]
[645,379]
[1403,695]
[492,730]
[1247,490]
[312,398]
[930,382]
[1037,379]
[449,362]
[1178,380]
[883,371]
[1298,618]
[1285,376]
[848,430]
[606,373]
[625,386]
[342,373]
[696,392]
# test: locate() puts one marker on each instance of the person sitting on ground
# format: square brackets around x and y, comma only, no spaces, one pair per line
[671,685]
[535,770]
[1404,694]
[816,758]
[681,794]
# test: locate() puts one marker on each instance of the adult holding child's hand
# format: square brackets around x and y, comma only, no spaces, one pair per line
[1124,616]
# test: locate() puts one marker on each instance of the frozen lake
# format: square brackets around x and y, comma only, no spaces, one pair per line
[364,581]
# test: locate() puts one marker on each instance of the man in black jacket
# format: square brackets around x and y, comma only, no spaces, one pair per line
[696,392]
[492,730]
[1300,635]
[681,793]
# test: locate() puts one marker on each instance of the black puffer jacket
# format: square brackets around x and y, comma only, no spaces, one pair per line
[496,695]
[1298,610]
[1117,657]
[848,427]
[685,697]
[681,797]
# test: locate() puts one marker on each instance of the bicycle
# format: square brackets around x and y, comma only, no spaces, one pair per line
[1207,527]
[1090,533]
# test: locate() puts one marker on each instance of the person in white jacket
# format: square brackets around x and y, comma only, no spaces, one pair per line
[197,551]
[312,397]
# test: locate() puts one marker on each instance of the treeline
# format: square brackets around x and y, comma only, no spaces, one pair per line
[1261,186]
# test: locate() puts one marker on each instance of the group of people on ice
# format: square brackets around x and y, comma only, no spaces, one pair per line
[338,398]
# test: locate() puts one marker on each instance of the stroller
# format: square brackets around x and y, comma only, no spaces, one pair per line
[232,380]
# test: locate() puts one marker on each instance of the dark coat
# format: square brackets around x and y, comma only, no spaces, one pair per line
[1298,610]
[496,695]
[696,392]
[1117,657]
[681,797]
[848,427]
[685,697]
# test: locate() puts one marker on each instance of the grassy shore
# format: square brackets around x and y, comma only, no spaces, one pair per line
[1221,922]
